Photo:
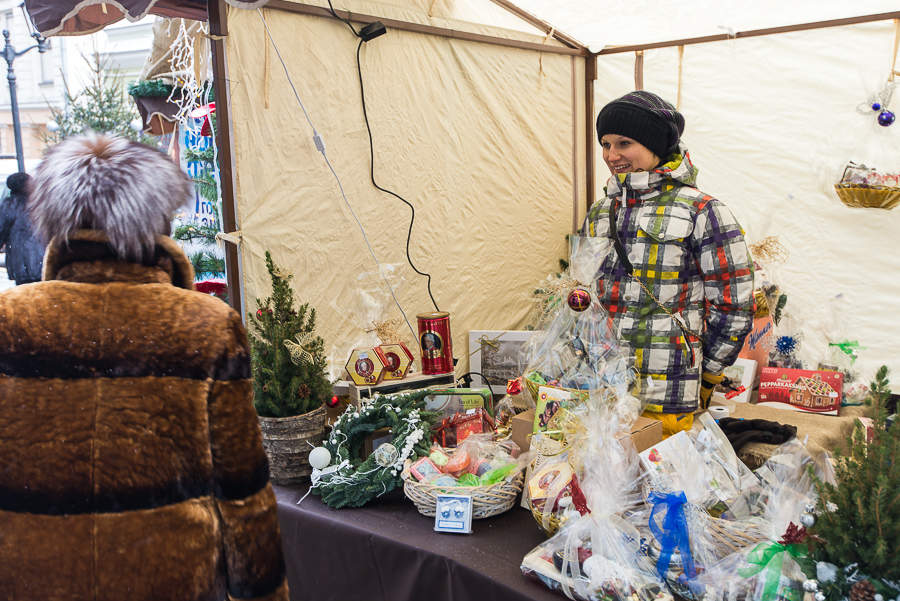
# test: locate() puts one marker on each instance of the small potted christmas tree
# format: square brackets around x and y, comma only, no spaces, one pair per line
[290,386]
[859,515]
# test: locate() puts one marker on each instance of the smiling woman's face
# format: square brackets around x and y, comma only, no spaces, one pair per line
[625,155]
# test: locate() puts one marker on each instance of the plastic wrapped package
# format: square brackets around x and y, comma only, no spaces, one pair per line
[842,349]
[375,315]
[734,484]
[771,570]
[596,559]
[597,554]
[576,347]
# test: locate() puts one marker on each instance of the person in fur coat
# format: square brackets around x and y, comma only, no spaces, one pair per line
[131,460]
[24,252]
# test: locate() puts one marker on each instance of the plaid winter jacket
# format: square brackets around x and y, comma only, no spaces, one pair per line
[689,251]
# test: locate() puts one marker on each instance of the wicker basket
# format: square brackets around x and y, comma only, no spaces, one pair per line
[287,442]
[487,501]
[873,198]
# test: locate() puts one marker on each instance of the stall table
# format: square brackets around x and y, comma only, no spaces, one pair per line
[388,551]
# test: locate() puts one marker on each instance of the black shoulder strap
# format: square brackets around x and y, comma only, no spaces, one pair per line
[617,242]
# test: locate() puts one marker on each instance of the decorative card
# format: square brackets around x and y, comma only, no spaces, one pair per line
[453,513]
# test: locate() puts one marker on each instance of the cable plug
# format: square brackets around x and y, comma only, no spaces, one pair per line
[320,145]
[372,31]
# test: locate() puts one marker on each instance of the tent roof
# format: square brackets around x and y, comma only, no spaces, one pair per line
[613,24]
[637,22]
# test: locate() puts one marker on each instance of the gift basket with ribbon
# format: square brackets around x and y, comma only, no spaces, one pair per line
[596,553]
[774,568]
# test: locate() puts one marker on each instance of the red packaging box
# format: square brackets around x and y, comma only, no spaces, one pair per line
[813,391]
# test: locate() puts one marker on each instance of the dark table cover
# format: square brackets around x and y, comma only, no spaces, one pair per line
[388,551]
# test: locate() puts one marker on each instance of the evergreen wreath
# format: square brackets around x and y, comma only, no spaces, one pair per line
[351,481]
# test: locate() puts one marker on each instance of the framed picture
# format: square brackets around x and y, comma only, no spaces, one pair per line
[500,355]
[743,374]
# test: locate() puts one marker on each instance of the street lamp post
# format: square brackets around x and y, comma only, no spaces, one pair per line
[10,54]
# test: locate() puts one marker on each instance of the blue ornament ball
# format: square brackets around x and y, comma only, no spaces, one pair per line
[876,106]
[885,118]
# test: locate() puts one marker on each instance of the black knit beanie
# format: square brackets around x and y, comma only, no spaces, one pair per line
[644,117]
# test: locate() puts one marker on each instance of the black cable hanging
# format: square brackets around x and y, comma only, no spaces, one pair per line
[367,33]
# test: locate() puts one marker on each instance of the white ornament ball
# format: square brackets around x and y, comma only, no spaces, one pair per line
[878,597]
[319,458]
[808,520]
[590,565]
[810,586]
[386,454]
[820,596]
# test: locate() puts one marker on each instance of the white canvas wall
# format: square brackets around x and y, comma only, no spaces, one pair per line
[479,138]
[770,123]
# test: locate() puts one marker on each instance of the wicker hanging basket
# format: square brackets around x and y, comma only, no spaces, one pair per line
[288,441]
[867,197]
[487,501]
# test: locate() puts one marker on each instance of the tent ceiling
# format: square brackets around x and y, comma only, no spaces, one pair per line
[619,22]
[600,26]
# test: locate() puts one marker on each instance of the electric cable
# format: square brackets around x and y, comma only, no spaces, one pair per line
[412,209]
[339,18]
[320,146]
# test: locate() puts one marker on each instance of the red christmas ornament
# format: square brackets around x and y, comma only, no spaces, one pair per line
[203,112]
[259,313]
[333,401]
[579,299]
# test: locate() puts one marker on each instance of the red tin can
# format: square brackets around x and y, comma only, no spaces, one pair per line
[434,340]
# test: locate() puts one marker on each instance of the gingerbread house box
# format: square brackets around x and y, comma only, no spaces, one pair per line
[814,391]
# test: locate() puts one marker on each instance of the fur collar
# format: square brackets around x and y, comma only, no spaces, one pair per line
[86,257]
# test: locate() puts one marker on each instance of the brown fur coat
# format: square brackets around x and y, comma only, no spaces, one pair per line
[131,463]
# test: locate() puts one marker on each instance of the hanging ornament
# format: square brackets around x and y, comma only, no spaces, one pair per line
[386,454]
[808,520]
[579,299]
[319,458]
[878,103]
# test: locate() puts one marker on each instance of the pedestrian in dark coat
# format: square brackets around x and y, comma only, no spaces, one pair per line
[131,459]
[24,252]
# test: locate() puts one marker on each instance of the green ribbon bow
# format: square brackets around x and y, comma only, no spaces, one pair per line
[770,557]
[848,347]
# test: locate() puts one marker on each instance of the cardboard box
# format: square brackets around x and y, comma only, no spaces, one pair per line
[644,433]
[521,425]
[813,391]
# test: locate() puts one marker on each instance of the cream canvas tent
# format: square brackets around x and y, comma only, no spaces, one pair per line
[482,120]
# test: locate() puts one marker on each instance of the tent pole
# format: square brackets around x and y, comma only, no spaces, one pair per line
[754,33]
[218,28]
[317,11]
[590,75]
[573,63]
[540,24]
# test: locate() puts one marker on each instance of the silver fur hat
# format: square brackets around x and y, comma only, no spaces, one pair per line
[103,182]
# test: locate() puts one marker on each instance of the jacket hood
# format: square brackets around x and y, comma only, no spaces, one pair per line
[677,169]
[87,257]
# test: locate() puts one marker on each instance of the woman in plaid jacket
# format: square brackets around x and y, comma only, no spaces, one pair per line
[678,278]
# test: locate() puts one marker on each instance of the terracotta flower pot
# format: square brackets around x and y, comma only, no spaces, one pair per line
[288,441]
